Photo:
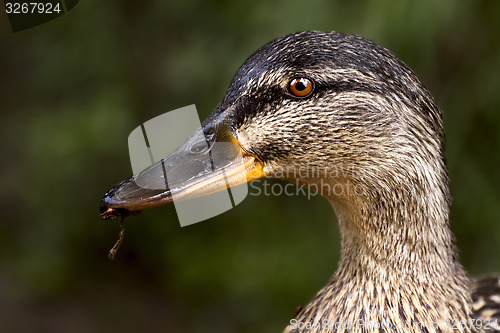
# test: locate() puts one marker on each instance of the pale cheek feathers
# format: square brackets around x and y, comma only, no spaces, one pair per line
[349,130]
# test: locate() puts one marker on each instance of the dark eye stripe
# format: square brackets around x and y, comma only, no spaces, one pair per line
[267,99]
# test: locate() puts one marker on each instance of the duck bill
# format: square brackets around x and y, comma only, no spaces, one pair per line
[211,160]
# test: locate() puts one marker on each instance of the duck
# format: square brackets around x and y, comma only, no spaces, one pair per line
[355,115]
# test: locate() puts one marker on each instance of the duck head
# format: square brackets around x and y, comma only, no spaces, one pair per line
[329,109]
[342,114]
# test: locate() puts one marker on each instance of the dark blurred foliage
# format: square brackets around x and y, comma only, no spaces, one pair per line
[73,89]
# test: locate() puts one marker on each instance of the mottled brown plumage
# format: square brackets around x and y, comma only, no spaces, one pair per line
[372,127]
[369,137]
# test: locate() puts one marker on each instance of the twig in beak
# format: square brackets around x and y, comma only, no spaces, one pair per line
[114,250]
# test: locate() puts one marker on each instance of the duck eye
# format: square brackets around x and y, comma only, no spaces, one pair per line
[301,87]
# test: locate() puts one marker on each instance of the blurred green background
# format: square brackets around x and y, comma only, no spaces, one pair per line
[74,88]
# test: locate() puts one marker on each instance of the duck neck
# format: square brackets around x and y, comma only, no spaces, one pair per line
[398,264]
[402,233]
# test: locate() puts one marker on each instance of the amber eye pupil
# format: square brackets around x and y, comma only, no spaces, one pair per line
[301,87]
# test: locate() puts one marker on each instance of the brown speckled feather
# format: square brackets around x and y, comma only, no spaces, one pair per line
[486,298]
[370,128]
[367,135]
